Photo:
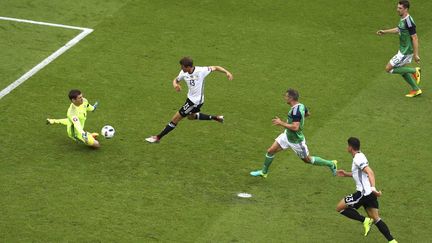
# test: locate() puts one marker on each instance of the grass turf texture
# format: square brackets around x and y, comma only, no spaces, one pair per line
[184,189]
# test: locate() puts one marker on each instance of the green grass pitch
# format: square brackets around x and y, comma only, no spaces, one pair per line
[184,189]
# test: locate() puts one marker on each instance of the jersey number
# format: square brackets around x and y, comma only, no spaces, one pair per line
[349,198]
[192,82]
[186,106]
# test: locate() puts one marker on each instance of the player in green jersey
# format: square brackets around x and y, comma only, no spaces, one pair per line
[408,48]
[293,137]
[76,117]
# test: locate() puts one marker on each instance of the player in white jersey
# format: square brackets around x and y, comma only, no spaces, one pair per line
[366,194]
[194,77]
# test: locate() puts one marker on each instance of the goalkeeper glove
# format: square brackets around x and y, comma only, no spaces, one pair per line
[84,135]
[95,105]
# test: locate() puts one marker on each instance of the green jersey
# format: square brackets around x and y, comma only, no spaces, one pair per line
[77,115]
[407,28]
[296,114]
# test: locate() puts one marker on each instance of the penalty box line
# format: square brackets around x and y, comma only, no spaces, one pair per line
[50,58]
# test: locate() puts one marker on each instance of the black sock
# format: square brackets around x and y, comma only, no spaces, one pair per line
[167,129]
[201,116]
[384,229]
[352,214]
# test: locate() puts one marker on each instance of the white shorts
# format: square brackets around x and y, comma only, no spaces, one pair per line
[300,149]
[400,59]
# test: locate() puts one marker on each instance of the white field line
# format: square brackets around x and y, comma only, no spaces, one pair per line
[49,59]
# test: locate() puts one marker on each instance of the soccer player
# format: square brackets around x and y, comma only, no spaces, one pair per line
[76,117]
[293,137]
[366,194]
[194,77]
[408,48]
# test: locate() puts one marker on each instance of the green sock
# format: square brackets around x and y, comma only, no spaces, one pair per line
[322,162]
[403,70]
[409,79]
[267,162]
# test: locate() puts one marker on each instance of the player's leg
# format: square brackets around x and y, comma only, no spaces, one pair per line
[403,70]
[411,75]
[205,117]
[347,207]
[171,125]
[389,67]
[415,89]
[94,143]
[397,67]
[397,64]
[318,161]
[269,156]
[184,111]
[63,121]
[278,145]
[302,151]
[197,115]
[372,212]
[88,139]
[417,75]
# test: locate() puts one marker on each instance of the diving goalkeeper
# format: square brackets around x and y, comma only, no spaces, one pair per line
[76,117]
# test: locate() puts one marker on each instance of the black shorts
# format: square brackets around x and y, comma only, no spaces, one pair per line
[357,200]
[189,107]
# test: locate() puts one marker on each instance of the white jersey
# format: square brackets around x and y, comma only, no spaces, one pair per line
[195,83]
[361,178]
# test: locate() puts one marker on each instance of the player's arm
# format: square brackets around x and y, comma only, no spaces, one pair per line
[92,107]
[307,112]
[77,124]
[222,70]
[78,127]
[343,173]
[415,47]
[371,176]
[176,81]
[413,32]
[176,84]
[293,126]
[388,31]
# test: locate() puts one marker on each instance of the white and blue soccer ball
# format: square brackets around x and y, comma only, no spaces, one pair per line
[108,131]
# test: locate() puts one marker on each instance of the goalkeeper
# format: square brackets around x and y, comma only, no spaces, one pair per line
[76,117]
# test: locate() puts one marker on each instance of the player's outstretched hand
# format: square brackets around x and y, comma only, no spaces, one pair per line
[341,173]
[177,87]
[95,105]
[230,76]
[276,121]
[380,32]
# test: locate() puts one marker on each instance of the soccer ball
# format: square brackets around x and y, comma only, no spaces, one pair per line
[108,131]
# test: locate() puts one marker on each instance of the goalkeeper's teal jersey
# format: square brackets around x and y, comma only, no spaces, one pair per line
[296,114]
[407,28]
